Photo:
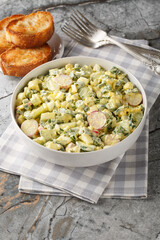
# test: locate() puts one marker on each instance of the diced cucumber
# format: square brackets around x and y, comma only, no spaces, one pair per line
[48,134]
[53,72]
[77,67]
[41,140]
[47,115]
[84,147]
[97,141]
[63,140]
[85,92]
[53,145]
[36,112]
[36,99]
[27,115]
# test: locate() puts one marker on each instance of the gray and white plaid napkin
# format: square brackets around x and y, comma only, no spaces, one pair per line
[129,179]
[85,183]
[123,177]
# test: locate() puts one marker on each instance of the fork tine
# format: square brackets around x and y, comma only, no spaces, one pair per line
[79,25]
[86,20]
[76,38]
[73,30]
[77,34]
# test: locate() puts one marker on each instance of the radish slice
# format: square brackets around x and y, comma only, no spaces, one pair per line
[134,99]
[30,127]
[95,132]
[97,119]
[64,81]
[111,139]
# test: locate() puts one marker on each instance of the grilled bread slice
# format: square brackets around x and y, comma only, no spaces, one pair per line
[18,62]
[4,44]
[32,30]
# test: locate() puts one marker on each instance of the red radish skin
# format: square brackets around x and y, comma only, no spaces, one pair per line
[134,99]
[96,132]
[64,81]
[30,127]
[40,128]
[97,120]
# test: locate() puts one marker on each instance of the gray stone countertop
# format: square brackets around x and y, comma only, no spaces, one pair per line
[24,216]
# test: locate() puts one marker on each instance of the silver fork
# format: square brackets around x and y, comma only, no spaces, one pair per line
[88,35]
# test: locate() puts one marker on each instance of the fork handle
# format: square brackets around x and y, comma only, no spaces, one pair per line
[151,53]
[150,63]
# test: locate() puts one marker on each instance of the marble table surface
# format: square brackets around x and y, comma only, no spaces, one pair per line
[24,216]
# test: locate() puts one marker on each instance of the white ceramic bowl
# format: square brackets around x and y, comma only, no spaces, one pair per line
[83,159]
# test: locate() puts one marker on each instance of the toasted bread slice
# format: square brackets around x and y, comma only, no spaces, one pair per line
[18,62]
[4,44]
[32,30]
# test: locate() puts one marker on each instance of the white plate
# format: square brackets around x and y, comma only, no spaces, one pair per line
[57,45]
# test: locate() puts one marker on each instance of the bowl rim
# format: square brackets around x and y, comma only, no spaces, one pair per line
[13,99]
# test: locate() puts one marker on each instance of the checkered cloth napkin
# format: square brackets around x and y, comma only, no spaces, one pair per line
[123,177]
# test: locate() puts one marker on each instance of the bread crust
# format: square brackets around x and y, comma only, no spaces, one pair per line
[18,62]
[32,30]
[4,44]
